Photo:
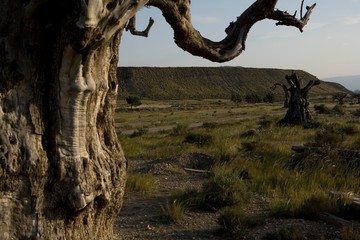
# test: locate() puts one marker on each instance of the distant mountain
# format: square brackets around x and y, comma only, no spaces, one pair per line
[350,82]
[209,82]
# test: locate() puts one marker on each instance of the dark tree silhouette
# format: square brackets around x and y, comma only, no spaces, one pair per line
[286,92]
[339,96]
[298,110]
[133,101]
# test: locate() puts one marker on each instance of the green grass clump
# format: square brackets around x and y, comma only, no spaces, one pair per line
[233,219]
[224,188]
[145,184]
[331,136]
[174,211]
[308,207]
[192,200]
[322,109]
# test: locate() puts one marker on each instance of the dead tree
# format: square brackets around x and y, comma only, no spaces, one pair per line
[340,96]
[286,92]
[62,169]
[298,110]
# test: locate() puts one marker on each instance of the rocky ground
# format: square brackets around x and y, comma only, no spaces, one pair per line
[141,216]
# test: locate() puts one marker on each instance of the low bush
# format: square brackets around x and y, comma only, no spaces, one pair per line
[339,109]
[174,211]
[145,184]
[224,188]
[322,109]
[328,136]
[233,219]
[199,139]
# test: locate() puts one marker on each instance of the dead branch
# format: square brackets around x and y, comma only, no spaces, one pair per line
[131,26]
[177,14]
[286,19]
[196,170]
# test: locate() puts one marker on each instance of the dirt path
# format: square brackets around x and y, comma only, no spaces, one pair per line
[141,217]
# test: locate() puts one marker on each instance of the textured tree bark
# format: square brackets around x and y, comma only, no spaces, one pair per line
[62,169]
[298,111]
[286,93]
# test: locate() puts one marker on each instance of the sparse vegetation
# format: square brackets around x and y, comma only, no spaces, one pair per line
[199,139]
[145,184]
[287,233]
[174,211]
[133,101]
[253,98]
[224,188]
[295,185]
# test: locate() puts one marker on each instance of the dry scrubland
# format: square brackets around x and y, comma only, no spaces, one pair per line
[252,165]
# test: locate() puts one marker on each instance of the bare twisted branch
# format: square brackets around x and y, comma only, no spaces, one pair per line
[177,14]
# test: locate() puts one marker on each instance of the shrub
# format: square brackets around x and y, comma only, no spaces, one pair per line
[269,97]
[349,129]
[264,122]
[191,199]
[233,219]
[133,101]
[174,211]
[199,139]
[224,188]
[145,184]
[235,97]
[253,98]
[338,109]
[312,124]
[329,136]
[309,207]
[322,109]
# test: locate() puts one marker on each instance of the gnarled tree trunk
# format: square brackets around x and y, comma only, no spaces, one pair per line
[298,111]
[286,93]
[62,169]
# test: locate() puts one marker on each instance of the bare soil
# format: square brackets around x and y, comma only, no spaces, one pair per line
[141,217]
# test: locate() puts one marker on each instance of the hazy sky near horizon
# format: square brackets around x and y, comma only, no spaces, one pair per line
[328,47]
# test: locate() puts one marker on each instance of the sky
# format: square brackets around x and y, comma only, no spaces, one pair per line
[329,46]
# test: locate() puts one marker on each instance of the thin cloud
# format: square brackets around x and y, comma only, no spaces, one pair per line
[352,20]
[205,19]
